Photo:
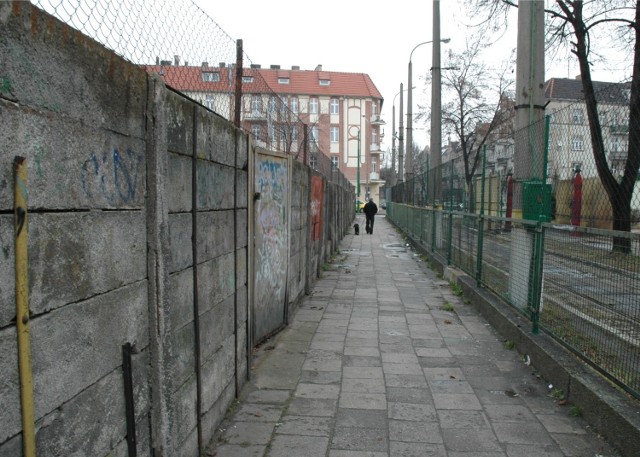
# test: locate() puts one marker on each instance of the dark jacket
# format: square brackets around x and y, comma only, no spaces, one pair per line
[370,209]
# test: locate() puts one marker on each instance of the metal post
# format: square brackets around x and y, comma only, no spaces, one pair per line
[409,145]
[401,144]
[436,108]
[22,307]
[450,235]
[481,220]
[358,168]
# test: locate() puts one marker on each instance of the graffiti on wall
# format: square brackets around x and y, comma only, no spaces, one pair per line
[271,239]
[316,207]
[113,175]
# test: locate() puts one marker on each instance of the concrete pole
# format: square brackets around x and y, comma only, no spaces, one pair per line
[529,138]
[393,146]
[401,141]
[409,145]
[436,82]
[529,144]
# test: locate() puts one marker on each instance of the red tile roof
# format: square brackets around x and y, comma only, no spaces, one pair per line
[302,82]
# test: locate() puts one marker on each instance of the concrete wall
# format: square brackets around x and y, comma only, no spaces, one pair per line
[138,232]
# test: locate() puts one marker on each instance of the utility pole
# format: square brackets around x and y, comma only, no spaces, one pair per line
[529,142]
[401,141]
[436,90]
[393,146]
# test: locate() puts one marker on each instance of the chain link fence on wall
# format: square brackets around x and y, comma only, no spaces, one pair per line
[177,40]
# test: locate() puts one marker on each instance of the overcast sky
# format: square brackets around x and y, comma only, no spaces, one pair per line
[359,36]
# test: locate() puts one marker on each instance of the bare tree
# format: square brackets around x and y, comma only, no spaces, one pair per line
[477,105]
[579,24]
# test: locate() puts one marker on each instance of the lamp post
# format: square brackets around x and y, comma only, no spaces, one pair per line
[358,167]
[409,152]
[393,139]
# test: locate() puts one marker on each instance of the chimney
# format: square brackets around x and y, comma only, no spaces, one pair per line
[319,67]
[205,64]
[255,65]
[222,64]
[165,63]
[295,67]
[275,67]
[176,60]
[157,60]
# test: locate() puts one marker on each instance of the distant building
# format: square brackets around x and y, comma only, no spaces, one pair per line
[341,112]
[569,135]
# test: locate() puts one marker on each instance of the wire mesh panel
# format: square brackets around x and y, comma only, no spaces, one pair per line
[591,298]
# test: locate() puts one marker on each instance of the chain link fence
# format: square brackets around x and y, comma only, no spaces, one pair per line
[538,230]
[177,40]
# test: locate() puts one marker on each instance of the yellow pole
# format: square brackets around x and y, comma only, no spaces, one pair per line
[22,308]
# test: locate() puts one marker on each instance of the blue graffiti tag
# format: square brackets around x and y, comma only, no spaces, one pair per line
[113,176]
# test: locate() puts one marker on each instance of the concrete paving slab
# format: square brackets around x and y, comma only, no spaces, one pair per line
[371,366]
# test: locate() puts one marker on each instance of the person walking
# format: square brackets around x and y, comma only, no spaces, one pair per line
[370,210]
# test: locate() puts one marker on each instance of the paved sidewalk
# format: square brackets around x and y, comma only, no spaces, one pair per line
[382,359]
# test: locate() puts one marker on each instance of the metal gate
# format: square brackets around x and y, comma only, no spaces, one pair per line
[271,241]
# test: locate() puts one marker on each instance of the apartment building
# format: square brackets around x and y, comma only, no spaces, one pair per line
[339,113]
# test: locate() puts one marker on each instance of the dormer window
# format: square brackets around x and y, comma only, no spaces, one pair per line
[283,80]
[325,82]
[247,79]
[210,76]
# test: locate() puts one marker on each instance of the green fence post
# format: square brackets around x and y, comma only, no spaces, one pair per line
[481,220]
[537,257]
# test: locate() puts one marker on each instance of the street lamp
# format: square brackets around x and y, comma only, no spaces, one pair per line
[358,167]
[393,139]
[409,152]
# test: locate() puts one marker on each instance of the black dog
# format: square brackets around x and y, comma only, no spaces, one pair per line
[356,228]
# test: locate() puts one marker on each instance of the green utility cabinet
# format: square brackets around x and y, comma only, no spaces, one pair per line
[536,201]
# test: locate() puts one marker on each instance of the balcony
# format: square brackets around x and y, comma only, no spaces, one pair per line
[376,120]
[255,116]
[373,176]
[619,129]
[375,148]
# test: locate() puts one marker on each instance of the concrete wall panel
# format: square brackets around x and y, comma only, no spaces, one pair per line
[70,352]
[179,184]
[74,256]
[215,186]
[87,167]
[180,234]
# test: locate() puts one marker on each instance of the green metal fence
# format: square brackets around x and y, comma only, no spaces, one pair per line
[524,239]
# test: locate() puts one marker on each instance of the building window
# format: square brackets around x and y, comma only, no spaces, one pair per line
[255,131]
[334,106]
[283,80]
[374,165]
[210,76]
[313,161]
[325,82]
[313,135]
[272,132]
[256,104]
[313,106]
[209,101]
[294,133]
[283,105]
[577,143]
[334,134]
[374,136]
[334,162]
[294,105]
[247,79]
[578,116]
[273,105]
